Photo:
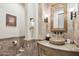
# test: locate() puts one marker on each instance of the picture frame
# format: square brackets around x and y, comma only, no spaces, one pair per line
[10,20]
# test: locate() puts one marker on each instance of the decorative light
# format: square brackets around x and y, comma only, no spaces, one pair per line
[46,18]
[32,22]
[73,14]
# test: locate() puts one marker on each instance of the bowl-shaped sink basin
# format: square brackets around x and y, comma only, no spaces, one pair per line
[59,41]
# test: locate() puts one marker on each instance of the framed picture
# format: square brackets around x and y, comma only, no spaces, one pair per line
[10,20]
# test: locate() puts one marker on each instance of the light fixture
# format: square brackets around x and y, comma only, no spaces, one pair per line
[32,22]
[73,14]
[46,18]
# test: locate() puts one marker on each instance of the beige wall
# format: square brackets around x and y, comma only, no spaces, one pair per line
[46,10]
[16,10]
[31,12]
[70,7]
[35,10]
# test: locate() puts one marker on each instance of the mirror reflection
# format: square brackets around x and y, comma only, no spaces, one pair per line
[58,18]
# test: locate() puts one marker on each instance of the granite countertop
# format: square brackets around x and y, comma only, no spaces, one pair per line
[65,47]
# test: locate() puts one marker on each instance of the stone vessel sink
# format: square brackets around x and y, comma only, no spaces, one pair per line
[57,41]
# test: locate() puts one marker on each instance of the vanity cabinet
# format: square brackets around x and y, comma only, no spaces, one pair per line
[47,49]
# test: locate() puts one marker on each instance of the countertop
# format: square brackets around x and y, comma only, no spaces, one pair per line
[65,47]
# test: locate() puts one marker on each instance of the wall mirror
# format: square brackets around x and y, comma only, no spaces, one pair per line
[59,17]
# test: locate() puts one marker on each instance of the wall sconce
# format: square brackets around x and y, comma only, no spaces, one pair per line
[73,14]
[32,28]
[32,23]
[46,19]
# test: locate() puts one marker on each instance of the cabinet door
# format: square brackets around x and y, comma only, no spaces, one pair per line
[46,51]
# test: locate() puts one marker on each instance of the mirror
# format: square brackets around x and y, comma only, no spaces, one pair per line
[59,18]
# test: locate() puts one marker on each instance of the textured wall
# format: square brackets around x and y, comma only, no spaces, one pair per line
[70,7]
[32,12]
[16,10]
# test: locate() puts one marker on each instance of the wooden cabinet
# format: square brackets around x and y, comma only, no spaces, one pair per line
[47,51]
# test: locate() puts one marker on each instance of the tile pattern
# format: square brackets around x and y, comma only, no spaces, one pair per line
[7,48]
[31,48]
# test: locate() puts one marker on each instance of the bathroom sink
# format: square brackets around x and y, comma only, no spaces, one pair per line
[59,41]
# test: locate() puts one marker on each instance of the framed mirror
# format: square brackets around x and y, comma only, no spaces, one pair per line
[59,17]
